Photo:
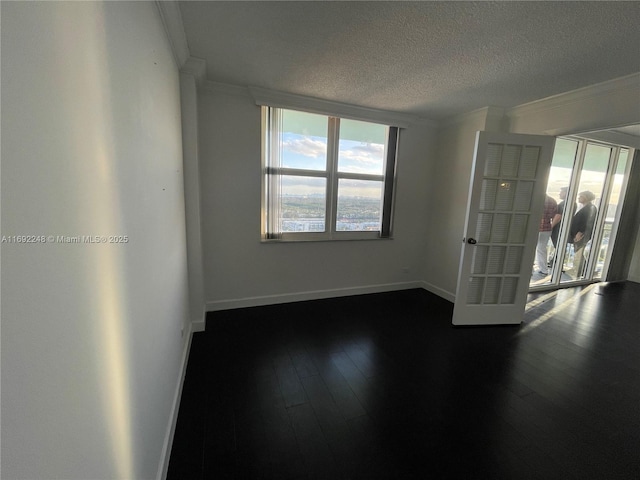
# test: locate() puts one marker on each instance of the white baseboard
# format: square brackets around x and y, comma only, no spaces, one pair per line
[312,295]
[198,324]
[439,292]
[173,418]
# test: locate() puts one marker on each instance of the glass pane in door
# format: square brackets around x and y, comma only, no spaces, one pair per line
[506,192]
[586,180]
[585,212]
[547,254]
[610,215]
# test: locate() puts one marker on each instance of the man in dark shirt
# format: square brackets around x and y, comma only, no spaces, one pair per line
[555,223]
[581,229]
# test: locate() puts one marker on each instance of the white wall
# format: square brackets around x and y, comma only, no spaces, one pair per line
[634,268]
[602,106]
[91,145]
[240,270]
[447,203]
[605,105]
[433,184]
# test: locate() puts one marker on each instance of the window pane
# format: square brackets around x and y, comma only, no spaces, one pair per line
[303,204]
[592,178]
[474,293]
[361,147]
[304,140]
[612,207]
[564,156]
[359,205]
[510,160]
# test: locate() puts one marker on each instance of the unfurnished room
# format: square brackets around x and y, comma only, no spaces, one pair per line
[320,240]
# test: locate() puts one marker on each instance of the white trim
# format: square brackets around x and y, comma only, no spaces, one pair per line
[496,120]
[173,26]
[481,114]
[165,456]
[425,122]
[612,137]
[631,82]
[196,67]
[342,236]
[226,89]
[192,205]
[271,98]
[198,323]
[440,292]
[214,306]
[198,326]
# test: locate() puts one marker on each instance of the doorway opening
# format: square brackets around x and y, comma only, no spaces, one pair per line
[585,194]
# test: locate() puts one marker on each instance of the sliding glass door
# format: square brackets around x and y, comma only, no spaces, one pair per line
[611,215]
[585,192]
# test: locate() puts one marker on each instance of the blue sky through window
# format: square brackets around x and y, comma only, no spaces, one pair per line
[303,151]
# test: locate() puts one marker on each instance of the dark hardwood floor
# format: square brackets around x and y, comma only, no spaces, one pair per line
[382,386]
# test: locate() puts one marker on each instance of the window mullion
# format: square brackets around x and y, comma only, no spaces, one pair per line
[598,227]
[390,168]
[360,176]
[333,137]
[296,172]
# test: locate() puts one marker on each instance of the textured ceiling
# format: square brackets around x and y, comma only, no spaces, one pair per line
[432,59]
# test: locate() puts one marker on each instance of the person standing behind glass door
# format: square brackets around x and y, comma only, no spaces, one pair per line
[581,230]
[555,223]
[544,234]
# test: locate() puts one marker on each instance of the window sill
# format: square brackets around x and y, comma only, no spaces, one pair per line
[335,237]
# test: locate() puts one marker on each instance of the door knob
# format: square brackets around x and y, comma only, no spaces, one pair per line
[471,241]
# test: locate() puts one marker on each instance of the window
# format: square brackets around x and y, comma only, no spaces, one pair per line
[326,178]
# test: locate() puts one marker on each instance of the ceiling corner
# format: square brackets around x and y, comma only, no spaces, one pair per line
[174,28]
[196,67]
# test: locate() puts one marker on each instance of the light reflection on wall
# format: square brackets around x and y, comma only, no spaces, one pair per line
[101,214]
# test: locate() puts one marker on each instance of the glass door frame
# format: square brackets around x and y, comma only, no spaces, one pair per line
[602,217]
[571,198]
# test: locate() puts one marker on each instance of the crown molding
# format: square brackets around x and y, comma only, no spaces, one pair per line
[212,87]
[174,28]
[196,67]
[488,114]
[425,122]
[272,98]
[226,89]
[628,82]
[613,137]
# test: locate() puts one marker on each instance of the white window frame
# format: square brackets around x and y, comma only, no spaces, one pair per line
[332,176]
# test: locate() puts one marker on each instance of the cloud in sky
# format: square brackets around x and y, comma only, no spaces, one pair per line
[367,158]
[309,152]
[306,146]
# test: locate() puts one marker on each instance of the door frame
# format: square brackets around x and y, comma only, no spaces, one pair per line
[583,140]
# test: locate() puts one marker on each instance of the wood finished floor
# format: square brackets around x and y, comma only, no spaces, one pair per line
[382,386]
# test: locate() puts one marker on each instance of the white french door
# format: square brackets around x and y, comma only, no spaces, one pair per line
[504,207]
